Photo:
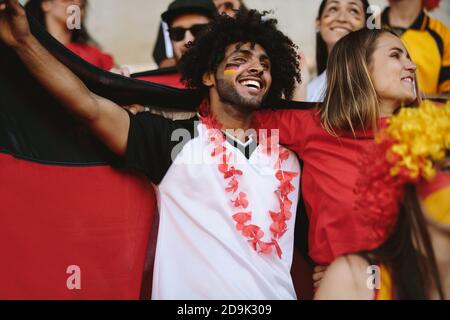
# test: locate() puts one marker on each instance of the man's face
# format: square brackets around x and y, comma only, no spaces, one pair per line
[243,78]
[183,31]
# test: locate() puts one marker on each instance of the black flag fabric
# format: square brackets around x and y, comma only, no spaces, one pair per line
[71,227]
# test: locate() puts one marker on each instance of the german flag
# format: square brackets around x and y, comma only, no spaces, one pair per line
[71,226]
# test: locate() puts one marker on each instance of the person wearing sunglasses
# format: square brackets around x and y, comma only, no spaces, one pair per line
[186,20]
[163,52]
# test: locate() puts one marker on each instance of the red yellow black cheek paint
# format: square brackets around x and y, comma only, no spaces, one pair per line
[230,69]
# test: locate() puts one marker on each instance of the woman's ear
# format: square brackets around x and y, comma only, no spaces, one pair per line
[208,79]
[45,5]
[317,25]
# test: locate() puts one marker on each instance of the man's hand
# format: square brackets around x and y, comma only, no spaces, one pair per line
[319,272]
[136,108]
[123,71]
[14,28]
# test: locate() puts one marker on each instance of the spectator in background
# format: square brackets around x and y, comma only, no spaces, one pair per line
[427,40]
[163,51]
[336,19]
[53,15]
[186,19]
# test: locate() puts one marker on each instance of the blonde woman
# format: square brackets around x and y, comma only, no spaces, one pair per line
[404,195]
[370,75]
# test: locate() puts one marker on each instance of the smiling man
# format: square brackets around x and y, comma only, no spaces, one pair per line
[226,203]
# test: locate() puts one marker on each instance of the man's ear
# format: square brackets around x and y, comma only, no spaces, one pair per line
[208,79]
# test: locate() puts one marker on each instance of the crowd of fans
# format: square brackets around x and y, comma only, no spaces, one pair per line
[384,203]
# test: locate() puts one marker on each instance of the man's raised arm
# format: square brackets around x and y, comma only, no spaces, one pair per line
[105,118]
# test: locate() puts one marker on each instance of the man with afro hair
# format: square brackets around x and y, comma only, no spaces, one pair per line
[226,199]
[227,36]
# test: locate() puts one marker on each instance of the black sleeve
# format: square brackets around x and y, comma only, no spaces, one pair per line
[150,144]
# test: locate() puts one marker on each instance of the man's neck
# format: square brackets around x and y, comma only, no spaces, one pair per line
[403,13]
[232,118]
[59,32]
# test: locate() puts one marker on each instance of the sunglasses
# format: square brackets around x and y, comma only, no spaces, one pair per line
[179,33]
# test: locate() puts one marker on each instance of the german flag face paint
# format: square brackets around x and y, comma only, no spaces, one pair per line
[230,69]
[435,198]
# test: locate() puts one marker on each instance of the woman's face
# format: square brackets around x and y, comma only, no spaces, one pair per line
[57,9]
[339,18]
[392,73]
[435,197]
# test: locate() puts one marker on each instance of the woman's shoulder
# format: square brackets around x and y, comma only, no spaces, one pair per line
[317,87]
[319,80]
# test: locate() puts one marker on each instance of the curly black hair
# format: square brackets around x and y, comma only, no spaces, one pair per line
[208,50]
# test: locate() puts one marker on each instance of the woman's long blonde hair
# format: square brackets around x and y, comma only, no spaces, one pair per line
[351,102]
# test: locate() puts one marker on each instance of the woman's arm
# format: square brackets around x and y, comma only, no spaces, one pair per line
[293,126]
[346,279]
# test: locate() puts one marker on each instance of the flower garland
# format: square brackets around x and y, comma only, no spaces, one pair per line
[239,200]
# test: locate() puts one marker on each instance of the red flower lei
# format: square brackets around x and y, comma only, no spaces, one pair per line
[230,173]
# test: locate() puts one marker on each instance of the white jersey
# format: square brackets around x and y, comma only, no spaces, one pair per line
[200,254]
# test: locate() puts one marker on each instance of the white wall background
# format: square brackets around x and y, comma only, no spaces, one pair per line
[127,29]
